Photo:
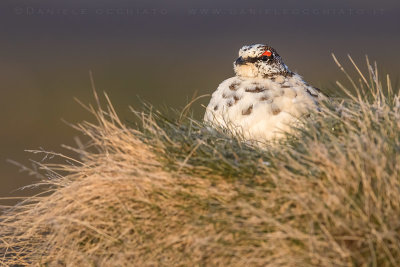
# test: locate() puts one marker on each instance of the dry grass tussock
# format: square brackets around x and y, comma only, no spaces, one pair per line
[174,193]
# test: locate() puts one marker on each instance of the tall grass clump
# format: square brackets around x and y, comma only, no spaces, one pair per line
[173,192]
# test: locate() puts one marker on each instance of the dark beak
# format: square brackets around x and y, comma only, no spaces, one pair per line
[240,61]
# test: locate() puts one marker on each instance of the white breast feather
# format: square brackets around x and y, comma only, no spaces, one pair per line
[261,109]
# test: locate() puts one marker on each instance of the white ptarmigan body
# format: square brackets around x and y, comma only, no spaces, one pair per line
[264,99]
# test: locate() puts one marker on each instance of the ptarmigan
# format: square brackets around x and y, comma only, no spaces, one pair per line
[264,99]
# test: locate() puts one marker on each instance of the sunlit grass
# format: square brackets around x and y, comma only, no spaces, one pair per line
[171,191]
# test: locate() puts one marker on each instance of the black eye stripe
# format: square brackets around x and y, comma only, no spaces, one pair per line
[252,59]
[255,59]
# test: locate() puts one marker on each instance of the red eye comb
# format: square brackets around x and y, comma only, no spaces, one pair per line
[267,53]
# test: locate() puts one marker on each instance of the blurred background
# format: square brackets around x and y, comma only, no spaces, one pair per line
[164,52]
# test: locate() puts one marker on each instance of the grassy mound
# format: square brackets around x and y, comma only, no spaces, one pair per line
[171,192]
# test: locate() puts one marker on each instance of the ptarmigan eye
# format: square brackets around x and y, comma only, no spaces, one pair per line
[266,55]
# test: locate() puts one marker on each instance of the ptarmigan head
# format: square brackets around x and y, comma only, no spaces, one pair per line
[260,61]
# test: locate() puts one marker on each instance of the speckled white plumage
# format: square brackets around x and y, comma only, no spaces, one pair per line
[263,100]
